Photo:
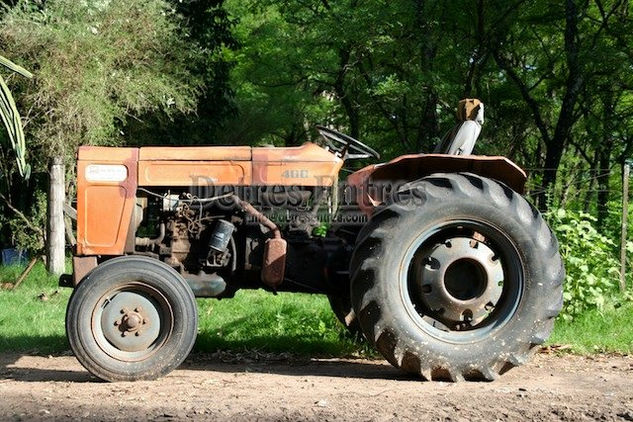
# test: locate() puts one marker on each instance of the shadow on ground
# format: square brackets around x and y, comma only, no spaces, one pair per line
[217,355]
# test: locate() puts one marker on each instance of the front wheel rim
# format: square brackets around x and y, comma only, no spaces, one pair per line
[131,322]
[462,280]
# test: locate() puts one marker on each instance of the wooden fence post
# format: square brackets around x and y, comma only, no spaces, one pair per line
[56,230]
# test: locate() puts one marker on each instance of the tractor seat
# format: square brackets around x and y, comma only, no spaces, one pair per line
[462,138]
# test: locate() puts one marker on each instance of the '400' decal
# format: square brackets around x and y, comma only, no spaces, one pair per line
[295,174]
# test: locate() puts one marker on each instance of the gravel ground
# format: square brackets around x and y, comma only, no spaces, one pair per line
[264,387]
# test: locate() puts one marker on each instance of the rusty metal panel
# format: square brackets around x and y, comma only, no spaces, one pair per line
[106,153]
[274,265]
[214,153]
[415,166]
[194,173]
[306,165]
[82,265]
[106,196]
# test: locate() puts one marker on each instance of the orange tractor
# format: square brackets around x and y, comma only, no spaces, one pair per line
[436,259]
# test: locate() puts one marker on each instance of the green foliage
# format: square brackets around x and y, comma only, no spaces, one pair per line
[11,117]
[594,331]
[206,27]
[289,322]
[15,68]
[255,320]
[299,324]
[27,323]
[554,76]
[590,262]
[321,230]
[392,72]
[97,65]
[23,237]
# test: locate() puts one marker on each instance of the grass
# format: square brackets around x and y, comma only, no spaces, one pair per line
[297,323]
[27,323]
[610,331]
[255,320]
[301,324]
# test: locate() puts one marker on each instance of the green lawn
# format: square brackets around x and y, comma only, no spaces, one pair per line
[28,324]
[611,331]
[297,323]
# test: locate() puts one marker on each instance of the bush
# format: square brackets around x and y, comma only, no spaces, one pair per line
[590,261]
[97,64]
[23,236]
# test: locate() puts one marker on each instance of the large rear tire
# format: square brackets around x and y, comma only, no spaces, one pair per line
[341,305]
[131,318]
[459,278]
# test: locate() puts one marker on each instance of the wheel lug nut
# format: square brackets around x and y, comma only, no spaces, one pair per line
[116,323]
[139,309]
[123,310]
[144,321]
[124,333]
[138,333]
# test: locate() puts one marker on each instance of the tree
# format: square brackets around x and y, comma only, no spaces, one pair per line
[207,28]
[388,72]
[392,72]
[98,65]
[554,53]
[13,123]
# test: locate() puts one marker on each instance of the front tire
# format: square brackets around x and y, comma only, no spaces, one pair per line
[458,278]
[131,318]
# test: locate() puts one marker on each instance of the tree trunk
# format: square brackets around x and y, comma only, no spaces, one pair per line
[603,176]
[552,160]
[595,165]
[429,127]
[56,230]
[344,97]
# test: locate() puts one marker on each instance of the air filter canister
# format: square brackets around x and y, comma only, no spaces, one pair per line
[221,235]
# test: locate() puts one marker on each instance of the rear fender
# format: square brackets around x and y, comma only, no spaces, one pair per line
[372,184]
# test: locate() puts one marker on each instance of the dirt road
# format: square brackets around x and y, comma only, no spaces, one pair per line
[237,388]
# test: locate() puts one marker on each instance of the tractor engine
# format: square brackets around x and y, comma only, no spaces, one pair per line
[220,242]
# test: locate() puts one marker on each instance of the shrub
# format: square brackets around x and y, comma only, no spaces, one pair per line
[97,64]
[590,261]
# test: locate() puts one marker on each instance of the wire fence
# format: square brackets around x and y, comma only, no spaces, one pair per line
[591,191]
[601,193]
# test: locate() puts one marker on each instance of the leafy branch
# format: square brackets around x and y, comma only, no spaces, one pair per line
[11,117]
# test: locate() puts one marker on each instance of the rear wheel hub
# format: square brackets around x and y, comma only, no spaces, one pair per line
[459,281]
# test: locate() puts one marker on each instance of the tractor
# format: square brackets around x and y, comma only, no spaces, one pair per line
[437,260]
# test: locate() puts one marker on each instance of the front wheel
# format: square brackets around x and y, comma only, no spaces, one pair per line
[131,318]
[458,278]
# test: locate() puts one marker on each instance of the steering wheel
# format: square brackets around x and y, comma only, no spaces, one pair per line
[345,146]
